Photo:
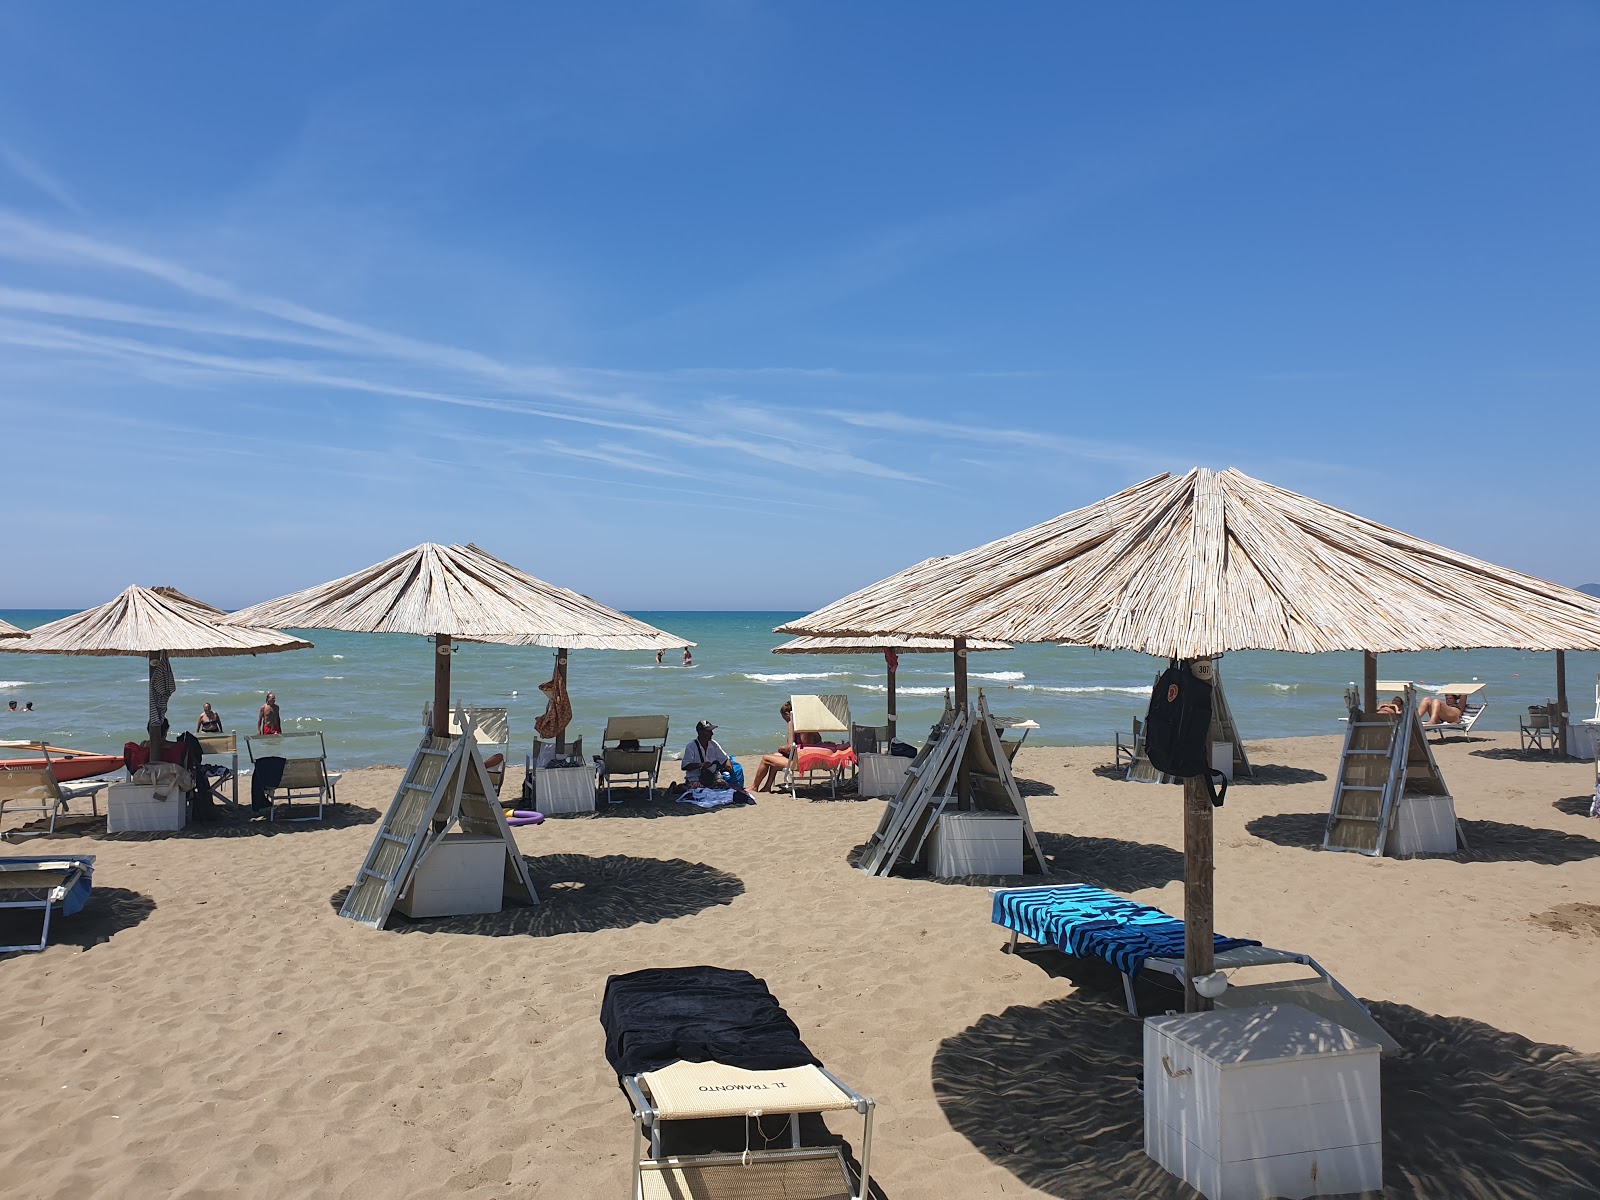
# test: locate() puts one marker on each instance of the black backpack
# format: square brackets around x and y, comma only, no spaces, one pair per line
[1177,729]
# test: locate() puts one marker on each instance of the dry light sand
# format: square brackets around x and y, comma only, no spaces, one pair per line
[211,1027]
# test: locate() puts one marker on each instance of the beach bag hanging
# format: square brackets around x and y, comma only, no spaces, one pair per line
[1177,729]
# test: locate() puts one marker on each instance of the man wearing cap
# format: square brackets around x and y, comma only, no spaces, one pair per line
[703,752]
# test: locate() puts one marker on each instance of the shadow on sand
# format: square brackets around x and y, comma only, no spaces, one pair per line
[581,893]
[225,823]
[1110,863]
[1278,775]
[1491,841]
[109,911]
[1515,755]
[1049,1093]
[1574,806]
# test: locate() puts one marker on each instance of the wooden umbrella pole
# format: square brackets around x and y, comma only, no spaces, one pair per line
[441,685]
[893,662]
[1199,917]
[1369,682]
[963,772]
[561,675]
[1561,702]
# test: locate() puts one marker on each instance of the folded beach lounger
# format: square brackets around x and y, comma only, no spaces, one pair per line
[700,1043]
[45,884]
[1088,921]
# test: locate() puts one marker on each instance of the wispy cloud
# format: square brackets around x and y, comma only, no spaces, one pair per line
[31,173]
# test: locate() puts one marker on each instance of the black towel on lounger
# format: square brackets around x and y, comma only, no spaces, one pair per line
[662,1015]
[267,775]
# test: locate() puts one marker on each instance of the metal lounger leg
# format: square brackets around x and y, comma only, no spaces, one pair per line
[1127,990]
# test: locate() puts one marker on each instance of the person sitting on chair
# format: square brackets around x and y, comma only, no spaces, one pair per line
[210,721]
[1447,711]
[1395,706]
[769,766]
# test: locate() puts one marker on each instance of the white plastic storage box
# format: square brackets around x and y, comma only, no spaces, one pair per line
[464,873]
[1254,1103]
[1424,825]
[138,808]
[563,789]
[976,843]
[880,775]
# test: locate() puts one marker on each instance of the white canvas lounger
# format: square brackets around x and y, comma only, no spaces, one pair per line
[1474,704]
[45,884]
[702,1090]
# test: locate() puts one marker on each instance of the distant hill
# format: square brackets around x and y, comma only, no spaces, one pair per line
[1592,588]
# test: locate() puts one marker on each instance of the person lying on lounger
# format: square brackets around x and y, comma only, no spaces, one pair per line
[1393,707]
[1442,712]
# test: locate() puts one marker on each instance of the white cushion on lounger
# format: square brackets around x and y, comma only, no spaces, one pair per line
[706,1089]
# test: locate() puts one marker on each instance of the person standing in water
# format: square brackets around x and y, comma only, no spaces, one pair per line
[688,659]
[210,721]
[660,654]
[269,720]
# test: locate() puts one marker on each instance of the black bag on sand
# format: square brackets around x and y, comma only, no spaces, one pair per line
[1177,729]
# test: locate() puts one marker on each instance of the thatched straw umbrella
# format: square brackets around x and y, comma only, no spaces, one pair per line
[459,593]
[8,630]
[891,648]
[1196,566]
[160,624]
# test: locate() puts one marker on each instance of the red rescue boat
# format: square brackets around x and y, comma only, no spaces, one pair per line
[67,765]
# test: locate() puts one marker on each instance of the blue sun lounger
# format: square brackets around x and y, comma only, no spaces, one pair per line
[1090,922]
[45,884]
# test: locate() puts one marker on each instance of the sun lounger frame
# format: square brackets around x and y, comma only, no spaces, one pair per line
[55,796]
[647,1130]
[1224,960]
[75,869]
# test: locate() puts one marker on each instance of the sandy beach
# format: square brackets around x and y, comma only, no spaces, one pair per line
[210,1027]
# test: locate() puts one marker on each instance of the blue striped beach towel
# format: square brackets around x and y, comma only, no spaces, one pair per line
[1088,921]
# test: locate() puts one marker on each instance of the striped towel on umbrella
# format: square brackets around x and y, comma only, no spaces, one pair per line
[162,685]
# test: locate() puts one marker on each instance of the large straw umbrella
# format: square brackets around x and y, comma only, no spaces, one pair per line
[1195,566]
[891,648]
[7,630]
[158,624]
[459,593]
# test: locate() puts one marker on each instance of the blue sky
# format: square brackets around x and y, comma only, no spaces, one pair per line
[738,305]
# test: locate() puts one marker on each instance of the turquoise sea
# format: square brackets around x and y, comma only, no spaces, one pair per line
[366,692]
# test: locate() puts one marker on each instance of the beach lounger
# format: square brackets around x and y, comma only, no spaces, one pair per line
[1471,693]
[828,717]
[217,745]
[630,752]
[303,777]
[35,788]
[45,884]
[701,1043]
[1087,922]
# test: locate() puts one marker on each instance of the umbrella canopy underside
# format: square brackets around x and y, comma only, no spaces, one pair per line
[465,593]
[900,645]
[151,620]
[1210,562]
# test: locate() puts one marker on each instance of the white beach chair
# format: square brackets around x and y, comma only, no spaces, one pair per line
[630,752]
[829,718]
[219,745]
[46,884]
[1474,704]
[306,779]
[35,788]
